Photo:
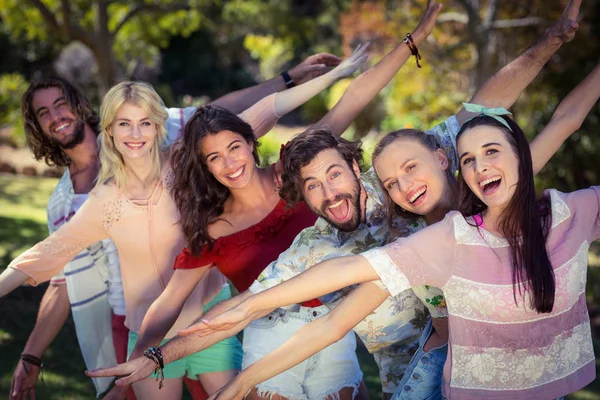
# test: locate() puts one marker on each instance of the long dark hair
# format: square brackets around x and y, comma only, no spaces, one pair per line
[39,143]
[430,143]
[525,222]
[199,196]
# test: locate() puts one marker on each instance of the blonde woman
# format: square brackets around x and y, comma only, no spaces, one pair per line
[131,204]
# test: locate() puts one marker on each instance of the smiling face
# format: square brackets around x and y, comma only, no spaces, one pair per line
[229,157]
[332,190]
[489,165]
[413,175]
[133,132]
[55,117]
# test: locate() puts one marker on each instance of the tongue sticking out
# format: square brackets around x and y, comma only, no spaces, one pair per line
[491,186]
[340,212]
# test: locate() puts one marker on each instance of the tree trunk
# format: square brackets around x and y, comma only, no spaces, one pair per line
[109,72]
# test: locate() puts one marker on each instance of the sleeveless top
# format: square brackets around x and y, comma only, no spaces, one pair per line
[243,255]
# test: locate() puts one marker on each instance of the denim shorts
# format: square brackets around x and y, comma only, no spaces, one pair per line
[423,377]
[225,355]
[323,374]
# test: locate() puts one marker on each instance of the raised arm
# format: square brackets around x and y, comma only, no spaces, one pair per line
[366,86]
[311,67]
[504,87]
[263,115]
[567,119]
[309,340]
[290,99]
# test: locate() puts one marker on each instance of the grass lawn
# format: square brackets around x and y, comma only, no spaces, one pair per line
[23,222]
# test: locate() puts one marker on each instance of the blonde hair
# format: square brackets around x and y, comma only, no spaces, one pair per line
[141,94]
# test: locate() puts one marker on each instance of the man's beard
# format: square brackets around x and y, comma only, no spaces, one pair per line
[75,139]
[354,204]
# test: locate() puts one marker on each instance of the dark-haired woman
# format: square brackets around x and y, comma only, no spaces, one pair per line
[517,329]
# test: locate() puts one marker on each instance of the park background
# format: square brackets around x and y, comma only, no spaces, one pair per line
[193,51]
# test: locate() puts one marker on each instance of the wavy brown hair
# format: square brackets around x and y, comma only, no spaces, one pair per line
[302,149]
[39,143]
[525,222]
[199,196]
[429,142]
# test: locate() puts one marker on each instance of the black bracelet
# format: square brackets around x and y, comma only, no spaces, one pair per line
[289,82]
[33,360]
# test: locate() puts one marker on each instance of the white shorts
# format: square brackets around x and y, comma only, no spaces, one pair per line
[323,374]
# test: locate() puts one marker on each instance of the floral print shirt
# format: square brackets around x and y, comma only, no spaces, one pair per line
[391,333]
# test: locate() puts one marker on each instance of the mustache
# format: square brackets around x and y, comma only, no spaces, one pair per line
[337,198]
[60,121]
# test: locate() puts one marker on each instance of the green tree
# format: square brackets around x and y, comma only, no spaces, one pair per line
[117,32]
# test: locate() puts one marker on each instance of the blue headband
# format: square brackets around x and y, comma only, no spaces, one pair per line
[489,112]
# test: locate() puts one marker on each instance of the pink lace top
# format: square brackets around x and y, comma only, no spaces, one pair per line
[147,236]
[499,349]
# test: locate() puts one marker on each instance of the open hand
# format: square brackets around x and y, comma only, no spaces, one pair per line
[351,64]
[313,66]
[132,371]
[23,382]
[234,317]
[427,23]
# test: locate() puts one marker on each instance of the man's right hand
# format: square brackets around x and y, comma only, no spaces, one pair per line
[132,371]
[23,382]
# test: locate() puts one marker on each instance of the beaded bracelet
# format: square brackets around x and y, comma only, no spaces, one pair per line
[155,355]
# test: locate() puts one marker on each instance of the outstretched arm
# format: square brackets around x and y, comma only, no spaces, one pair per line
[366,86]
[181,346]
[567,119]
[49,257]
[504,87]
[165,310]
[309,340]
[10,279]
[311,67]
[321,279]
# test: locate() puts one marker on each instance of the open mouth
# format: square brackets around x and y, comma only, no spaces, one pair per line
[417,196]
[236,174]
[134,145]
[490,185]
[340,210]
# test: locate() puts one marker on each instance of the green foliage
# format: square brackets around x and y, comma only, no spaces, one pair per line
[268,149]
[12,87]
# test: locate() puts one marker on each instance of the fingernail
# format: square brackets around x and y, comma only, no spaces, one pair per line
[206,321]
